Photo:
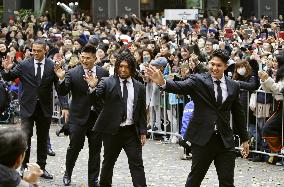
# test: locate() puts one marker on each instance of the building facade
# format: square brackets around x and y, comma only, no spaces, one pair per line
[101,9]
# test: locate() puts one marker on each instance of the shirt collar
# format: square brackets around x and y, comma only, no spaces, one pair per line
[128,80]
[93,69]
[42,62]
[222,79]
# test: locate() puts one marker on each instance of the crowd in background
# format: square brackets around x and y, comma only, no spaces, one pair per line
[178,49]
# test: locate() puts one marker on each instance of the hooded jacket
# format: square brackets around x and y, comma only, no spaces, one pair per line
[11,178]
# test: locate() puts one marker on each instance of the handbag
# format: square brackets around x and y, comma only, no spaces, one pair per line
[258,106]
[252,101]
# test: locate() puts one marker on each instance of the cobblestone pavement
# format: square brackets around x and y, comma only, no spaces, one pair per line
[163,167]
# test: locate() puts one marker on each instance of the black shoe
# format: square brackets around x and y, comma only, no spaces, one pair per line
[46,175]
[66,179]
[50,152]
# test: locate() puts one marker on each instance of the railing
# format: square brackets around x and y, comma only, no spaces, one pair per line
[165,120]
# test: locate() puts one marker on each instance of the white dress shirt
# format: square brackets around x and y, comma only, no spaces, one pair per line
[223,87]
[41,66]
[93,71]
[130,101]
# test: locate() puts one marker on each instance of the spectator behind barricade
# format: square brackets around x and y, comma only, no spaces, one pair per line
[134,46]
[13,143]
[139,60]
[273,67]
[78,45]
[59,59]
[147,56]
[3,50]
[46,22]
[236,53]
[27,52]
[101,54]
[273,129]
[229,21]
[183,29]
[248,83]
[186,51]
[138,57]
[111,64]
[208,49]
[190,58]
[153,96]
[164,51]
[63,23]
[176,58]
[122,36]
[68,43]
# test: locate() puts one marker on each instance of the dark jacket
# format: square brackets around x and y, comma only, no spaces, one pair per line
[81,100]
[248,84]
[207,113]
[11,178]
[31,91]
[110,118]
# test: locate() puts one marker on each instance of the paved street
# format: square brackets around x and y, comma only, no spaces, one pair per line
[162,166]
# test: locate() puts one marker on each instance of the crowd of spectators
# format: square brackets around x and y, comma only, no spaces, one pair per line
[179,49]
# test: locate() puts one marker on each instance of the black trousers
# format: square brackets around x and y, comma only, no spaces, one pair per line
[42,124]
[113,144]
[77,139]
[202,157]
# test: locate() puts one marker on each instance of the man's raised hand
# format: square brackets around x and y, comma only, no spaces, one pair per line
[59,71]
[155,75]
[91,80]
[7,63]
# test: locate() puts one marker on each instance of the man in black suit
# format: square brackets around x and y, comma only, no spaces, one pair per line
[122,121]
[37,78]
[83,113]
[214,96]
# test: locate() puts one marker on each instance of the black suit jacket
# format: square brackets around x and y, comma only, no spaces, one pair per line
[31,91]
[109,119]
[81,100]
[206,111]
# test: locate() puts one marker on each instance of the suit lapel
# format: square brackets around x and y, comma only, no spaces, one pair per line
[229,89]
[210,86]
[46,69]
[117,87]
[98,73]
[31,67]
[81,73]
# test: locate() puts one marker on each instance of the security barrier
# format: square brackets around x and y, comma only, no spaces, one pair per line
[165,119]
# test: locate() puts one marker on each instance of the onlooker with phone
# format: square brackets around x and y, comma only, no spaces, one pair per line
[13,144]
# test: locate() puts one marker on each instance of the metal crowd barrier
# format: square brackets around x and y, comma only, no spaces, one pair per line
[165,117]
[165,120]
[56,107]
[262,113]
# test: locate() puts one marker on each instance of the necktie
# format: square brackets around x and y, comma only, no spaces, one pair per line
[125,96]
[219,93]
[38,74]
